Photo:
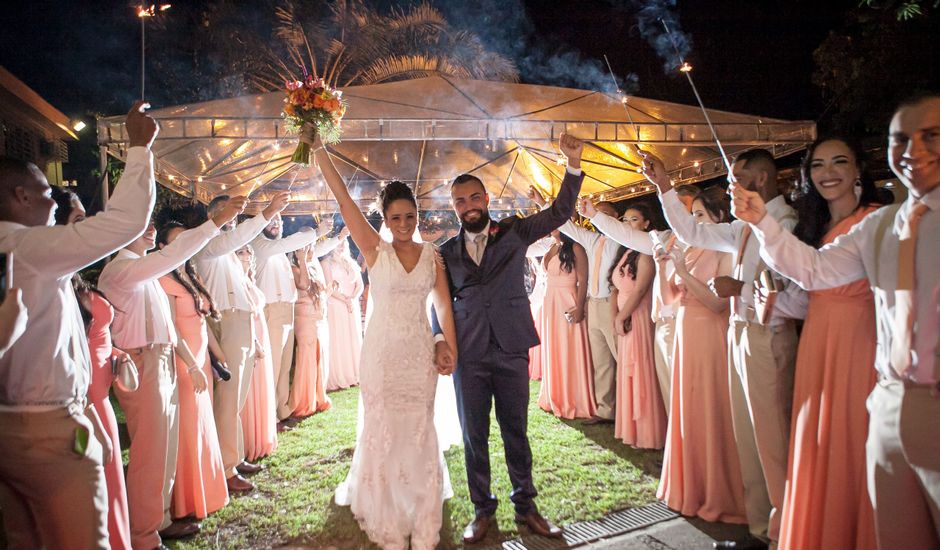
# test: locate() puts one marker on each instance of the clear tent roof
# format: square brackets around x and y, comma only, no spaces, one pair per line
[427,131]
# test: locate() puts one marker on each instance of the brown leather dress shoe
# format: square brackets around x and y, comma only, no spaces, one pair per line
[283,426]
[247,468]
[595,420]
[238,484]
[476,530]
[180,530]
[539,525]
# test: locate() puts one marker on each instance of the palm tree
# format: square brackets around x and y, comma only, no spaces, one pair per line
[355,44]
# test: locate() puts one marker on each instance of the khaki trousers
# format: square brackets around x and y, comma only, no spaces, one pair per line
[280,320]
[662,351]
[761,381]
[237,338]
[903,455]
[51,496]
[603,352]
[153,425]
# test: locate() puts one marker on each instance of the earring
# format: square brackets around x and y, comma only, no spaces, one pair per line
[858,189]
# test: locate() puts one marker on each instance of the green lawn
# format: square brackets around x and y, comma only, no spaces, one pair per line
[581,473]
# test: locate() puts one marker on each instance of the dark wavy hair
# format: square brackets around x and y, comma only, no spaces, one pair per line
[717,203]
[192,282]
[812,208]
[391,192]
[566,253]
[632,255]
[83,286]
[63,199]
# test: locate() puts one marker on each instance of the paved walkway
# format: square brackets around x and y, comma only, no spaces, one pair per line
[675,534]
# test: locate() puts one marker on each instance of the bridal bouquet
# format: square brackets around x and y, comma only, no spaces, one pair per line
[312,107]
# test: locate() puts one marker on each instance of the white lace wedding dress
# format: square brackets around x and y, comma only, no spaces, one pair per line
[398,480]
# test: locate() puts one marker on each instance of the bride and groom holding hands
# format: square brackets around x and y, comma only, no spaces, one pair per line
[481,331]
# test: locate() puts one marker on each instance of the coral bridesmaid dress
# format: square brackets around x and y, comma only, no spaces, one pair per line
[308,391]
[99,344]
[259,417]
[345,322]
[640,418]
[701,474]
[200,488]
[567,388]
[826,504]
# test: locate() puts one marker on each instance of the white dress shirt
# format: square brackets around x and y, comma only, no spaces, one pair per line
[642,242]
[274,275]
[49,366]
[131,282]
[222,271]
[726,237]
[853,256]
[591,241]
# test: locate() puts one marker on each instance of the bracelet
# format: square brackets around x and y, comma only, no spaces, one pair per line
[192,368]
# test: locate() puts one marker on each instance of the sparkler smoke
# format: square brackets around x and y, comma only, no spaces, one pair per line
[673,45]
[503,26]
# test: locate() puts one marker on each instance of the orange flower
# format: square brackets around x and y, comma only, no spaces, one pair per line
[289,109]
[318,101]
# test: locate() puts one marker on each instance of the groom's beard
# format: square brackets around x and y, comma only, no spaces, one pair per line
[272,234]
[479,224]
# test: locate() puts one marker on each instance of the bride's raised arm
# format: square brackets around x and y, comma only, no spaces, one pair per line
[365,237]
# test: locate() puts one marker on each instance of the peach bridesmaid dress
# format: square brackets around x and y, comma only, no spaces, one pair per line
[259,417]
[640,418]
[701,474]
[200,487]
[99,344]
[536,299]
[344,320]
[826,504]
[567,388]
[308,390]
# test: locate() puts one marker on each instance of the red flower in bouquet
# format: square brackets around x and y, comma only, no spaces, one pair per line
[312,107]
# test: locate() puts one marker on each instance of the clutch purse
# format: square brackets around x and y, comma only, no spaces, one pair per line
[125,373]
[219,372]
[766,288]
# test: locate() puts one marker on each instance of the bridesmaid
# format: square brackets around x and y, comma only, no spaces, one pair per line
[200,488]
[567,382]
[536,281]
[701,475]
[640,419]
[308,392]
[259,417]
[343,317]
[826,504]
[98,314]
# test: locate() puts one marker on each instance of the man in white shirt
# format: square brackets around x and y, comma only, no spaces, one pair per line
[763,351]
[276,281]
[143,327]
[644,242]
[895,248]
[225,279]
[602,255]
[52,487]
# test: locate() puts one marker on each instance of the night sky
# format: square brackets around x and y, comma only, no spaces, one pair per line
[749,56]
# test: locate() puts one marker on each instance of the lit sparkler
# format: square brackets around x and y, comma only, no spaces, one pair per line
[686,69]
[144,13]
[623,101]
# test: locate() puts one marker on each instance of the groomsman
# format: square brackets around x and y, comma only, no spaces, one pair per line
[895,248]
[644,242]
[763,351]
[143,327]
[602,255]
[226,282]
[276,280]
[52,487]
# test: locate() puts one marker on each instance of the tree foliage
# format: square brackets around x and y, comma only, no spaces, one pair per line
[904,9]
[354,43]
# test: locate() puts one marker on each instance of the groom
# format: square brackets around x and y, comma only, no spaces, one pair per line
[485,267]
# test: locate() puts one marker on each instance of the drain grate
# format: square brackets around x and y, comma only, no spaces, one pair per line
[584,532]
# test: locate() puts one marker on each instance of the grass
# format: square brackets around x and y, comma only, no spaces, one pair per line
[581,473]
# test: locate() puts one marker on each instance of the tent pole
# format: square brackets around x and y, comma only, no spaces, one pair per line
[103,166]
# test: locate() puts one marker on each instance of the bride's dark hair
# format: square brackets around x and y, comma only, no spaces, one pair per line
[391,192]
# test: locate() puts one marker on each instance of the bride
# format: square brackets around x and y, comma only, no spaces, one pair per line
[398,481]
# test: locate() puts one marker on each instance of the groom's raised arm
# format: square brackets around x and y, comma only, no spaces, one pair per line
[543,223]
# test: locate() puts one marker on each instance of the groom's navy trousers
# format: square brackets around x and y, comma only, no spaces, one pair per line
[495,330]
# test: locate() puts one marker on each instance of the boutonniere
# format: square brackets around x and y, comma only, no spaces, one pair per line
[494,229]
